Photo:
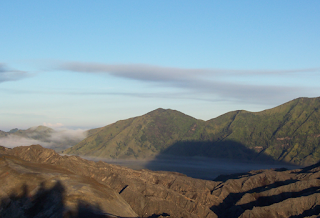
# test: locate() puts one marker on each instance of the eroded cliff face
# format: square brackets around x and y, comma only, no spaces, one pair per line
[114,189]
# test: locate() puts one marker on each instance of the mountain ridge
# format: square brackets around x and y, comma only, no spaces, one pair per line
[285,133]
[280,129]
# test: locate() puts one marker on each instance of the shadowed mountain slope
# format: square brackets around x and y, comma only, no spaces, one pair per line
[289,132]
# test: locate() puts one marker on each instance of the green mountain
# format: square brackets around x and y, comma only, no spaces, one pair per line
[142,137]
[289,132]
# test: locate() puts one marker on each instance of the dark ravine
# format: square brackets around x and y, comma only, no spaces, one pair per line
[288,133]
[260,193]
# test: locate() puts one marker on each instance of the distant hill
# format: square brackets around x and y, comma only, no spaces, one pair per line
[42,133]
[289,132]
[38,132]
[13,130]
[47,137]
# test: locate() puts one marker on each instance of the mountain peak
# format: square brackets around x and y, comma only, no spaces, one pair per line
[166,112]
[40,128]
[13,130]
[160,110]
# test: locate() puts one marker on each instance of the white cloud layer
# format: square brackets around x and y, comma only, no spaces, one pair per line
[58,140]
[12,141]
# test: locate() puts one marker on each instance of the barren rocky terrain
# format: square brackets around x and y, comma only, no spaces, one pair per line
[38,182]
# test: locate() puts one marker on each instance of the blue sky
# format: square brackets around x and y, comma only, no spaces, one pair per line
[85,64]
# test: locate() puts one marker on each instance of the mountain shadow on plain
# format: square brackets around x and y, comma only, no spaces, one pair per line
[209,159]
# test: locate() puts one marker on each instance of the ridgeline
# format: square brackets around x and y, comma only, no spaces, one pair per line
[289,133]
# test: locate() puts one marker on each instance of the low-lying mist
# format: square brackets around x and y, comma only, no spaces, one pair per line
[57,140]
[12,141]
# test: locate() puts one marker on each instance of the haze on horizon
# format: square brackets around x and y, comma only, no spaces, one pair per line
[88,64]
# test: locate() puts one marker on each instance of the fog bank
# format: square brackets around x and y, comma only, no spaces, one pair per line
[57,140]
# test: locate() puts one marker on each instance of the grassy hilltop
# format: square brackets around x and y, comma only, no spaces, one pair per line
[142,136]
[289,132]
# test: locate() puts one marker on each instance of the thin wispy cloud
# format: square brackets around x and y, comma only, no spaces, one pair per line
[246,92]
[140,72]
[154,73]
[215,82]
[159,95]
[7,74]
[197,84]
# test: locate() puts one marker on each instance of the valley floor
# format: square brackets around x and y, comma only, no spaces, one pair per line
[199,167]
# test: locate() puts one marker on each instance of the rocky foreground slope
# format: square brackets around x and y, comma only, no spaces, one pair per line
[37,181]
